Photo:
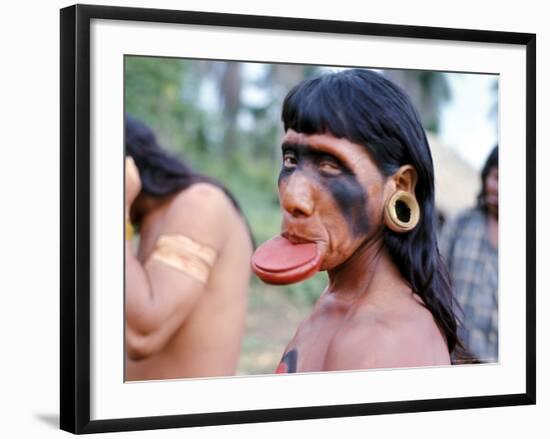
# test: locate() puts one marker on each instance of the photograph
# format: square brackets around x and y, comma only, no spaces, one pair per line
[287,218]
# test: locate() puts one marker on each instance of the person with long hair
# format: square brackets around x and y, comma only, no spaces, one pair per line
[469,244]
[356,190]
[186,284]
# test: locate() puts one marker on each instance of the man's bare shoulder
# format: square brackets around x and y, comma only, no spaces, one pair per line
[373,339]
[363,342]
[203,212]
[206,196]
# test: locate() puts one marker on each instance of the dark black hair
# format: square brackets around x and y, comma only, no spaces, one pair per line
[161,173]
[490,163]
[366,108]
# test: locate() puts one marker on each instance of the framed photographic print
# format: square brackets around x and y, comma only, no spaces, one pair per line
[276,218]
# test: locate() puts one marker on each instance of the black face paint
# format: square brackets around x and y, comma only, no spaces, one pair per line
[344,187]
[289,362]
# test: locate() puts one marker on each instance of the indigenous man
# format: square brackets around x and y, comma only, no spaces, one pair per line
[187,284]
[469,244]
[357,194]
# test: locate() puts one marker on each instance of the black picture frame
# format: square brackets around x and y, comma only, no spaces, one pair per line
[75,217]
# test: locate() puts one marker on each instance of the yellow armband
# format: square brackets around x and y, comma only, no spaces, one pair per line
[129,230]
[186,255]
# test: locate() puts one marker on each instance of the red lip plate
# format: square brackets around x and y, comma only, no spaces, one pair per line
[279,261]
[279,254]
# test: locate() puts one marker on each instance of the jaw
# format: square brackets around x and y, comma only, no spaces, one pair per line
[353,272]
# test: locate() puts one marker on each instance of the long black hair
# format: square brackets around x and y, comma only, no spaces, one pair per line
[365,108]
[161,173]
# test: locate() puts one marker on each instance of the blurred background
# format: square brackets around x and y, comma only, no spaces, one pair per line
[223,118]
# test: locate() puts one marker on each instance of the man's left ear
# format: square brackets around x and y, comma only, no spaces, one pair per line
[405,179]
[401,209]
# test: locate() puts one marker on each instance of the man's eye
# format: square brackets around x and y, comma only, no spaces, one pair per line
[289,161]
[329,167]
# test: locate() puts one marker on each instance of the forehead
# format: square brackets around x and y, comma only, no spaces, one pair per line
[353,155]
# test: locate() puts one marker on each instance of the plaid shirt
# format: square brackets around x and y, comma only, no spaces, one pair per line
[473,265]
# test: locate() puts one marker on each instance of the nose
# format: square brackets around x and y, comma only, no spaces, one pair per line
[296,195]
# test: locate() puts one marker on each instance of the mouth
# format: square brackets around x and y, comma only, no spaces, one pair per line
[296,239]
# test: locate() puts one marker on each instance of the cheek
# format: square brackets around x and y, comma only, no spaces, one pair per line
[351,202]
[283,177]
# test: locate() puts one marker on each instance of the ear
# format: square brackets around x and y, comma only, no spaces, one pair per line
[405,179]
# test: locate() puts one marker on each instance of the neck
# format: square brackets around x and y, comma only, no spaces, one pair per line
[369,273]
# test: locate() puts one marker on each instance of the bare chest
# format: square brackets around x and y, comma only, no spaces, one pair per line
[307,350]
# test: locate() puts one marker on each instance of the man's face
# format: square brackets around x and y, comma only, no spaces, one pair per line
[331,193]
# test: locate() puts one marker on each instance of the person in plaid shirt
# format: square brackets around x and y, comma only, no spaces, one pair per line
[469,244]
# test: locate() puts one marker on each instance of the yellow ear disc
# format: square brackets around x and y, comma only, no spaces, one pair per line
[402,212]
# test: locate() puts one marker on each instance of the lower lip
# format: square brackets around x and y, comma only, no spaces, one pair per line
[280,261]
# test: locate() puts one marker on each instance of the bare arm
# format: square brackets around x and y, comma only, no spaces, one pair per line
[158,296]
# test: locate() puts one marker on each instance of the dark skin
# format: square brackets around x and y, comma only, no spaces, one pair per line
[333,194]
